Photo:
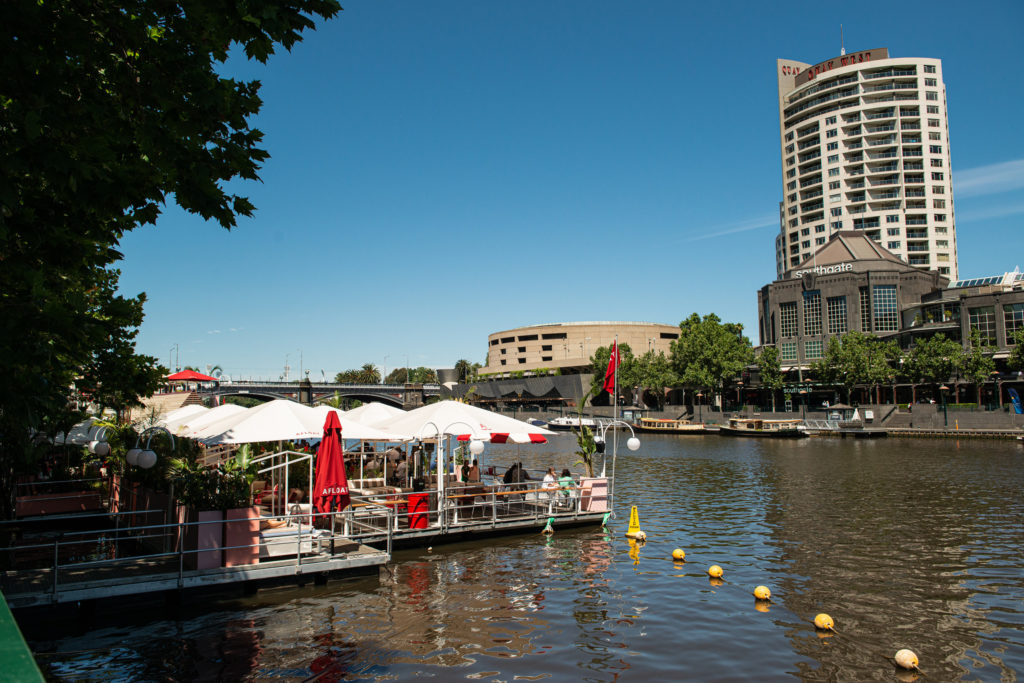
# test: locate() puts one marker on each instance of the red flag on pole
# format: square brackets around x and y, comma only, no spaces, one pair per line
[613,366]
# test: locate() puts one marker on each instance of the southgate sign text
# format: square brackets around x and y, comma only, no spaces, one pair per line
[825,270]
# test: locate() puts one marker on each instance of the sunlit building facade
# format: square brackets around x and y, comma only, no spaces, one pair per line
[865,147]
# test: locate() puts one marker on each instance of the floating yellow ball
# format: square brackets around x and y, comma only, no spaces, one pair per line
[906,659]
[762,593]
[824,621]
[678,555]
[715,572]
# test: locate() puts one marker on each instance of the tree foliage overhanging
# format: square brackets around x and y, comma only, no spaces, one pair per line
[106,110]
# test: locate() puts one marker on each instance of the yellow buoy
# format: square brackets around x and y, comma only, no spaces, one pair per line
[715,572]
[634,525]
[906,659]
[762,593]
[824,621]
[678,555]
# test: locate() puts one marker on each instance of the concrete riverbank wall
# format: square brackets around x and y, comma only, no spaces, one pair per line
[925,416]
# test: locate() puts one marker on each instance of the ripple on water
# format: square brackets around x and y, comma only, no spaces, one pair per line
[928,559]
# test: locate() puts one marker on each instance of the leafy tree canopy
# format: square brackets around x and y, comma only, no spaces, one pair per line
[709,352]
[769,366]
[856,358]
[106,109]
[933,360]
[1016,359]
[976,363]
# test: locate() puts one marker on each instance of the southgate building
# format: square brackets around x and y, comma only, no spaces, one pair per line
[865,147]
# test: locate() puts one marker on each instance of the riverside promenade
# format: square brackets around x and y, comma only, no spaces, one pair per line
[924,419]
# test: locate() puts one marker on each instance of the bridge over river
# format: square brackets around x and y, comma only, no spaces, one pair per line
[311,393]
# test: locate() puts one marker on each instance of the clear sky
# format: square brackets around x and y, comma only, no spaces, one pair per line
[440,171]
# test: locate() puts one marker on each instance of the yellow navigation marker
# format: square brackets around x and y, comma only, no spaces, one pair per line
[678,555]
[634,525]
[715,572]
[762,593]
[824,622]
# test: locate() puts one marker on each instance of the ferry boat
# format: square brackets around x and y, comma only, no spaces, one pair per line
[752,426]
[565,423]
[667,426]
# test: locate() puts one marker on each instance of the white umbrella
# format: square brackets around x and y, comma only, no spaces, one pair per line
[357,429]
[191,424]
[461,419]
[280,420]
[373,414]
[181,413]
[79,435]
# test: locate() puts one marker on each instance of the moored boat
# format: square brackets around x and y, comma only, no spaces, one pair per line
[752,426]
[668,426]
[566,423]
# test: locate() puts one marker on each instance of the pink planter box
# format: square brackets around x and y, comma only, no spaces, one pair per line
[241,528]
[209,539]
[594,495]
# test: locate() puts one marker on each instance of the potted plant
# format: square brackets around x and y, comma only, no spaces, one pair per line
[208,498]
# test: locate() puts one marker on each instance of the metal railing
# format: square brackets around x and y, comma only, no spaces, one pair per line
[129,553]
[469,505]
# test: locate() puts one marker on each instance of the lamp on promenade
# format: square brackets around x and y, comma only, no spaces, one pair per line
[945,415]
[700,406]
[632,443]
[803,403]
[997,382]
[146,458]
[739,391]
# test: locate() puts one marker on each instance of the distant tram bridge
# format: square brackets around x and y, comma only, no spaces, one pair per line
[312,393]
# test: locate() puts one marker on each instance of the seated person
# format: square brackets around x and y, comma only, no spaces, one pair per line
[550,483]
[401,472]
[566,484]
[473,475]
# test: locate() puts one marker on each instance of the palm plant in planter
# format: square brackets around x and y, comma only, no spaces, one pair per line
[211,495]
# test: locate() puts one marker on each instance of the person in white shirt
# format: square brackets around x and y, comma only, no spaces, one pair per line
[550,483]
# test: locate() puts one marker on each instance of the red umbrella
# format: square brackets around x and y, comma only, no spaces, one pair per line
[331,482]
[190,376]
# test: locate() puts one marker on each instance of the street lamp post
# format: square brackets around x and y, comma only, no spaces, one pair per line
[996,380]
[945,416]
[700,407]
[739,394]
[803,403]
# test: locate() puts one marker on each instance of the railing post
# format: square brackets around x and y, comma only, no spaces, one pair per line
[298,547]
[494,509]
[56,565]
[181,555]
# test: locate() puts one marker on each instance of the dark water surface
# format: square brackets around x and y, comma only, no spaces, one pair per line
[905,543]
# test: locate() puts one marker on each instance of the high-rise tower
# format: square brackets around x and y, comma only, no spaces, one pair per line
[865,146]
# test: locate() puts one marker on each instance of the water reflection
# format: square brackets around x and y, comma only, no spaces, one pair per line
[906,544]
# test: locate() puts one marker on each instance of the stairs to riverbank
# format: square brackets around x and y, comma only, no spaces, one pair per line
[161,404]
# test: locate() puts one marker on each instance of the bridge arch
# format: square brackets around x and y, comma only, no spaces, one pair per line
[365,397]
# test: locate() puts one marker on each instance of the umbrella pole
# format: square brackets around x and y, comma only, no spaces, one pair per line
[440,478]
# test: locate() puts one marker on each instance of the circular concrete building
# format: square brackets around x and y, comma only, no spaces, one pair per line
[569,346]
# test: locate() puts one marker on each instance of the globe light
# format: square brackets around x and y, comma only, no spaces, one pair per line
[633,444]
[147,459]
[132,456]
[100,448]
[476,446]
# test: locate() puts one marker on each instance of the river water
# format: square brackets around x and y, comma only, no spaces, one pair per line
[905,543]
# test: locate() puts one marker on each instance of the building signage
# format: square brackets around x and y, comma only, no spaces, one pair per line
[811,72]
[825,270]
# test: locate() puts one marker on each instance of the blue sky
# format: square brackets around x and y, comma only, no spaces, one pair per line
[440,171]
